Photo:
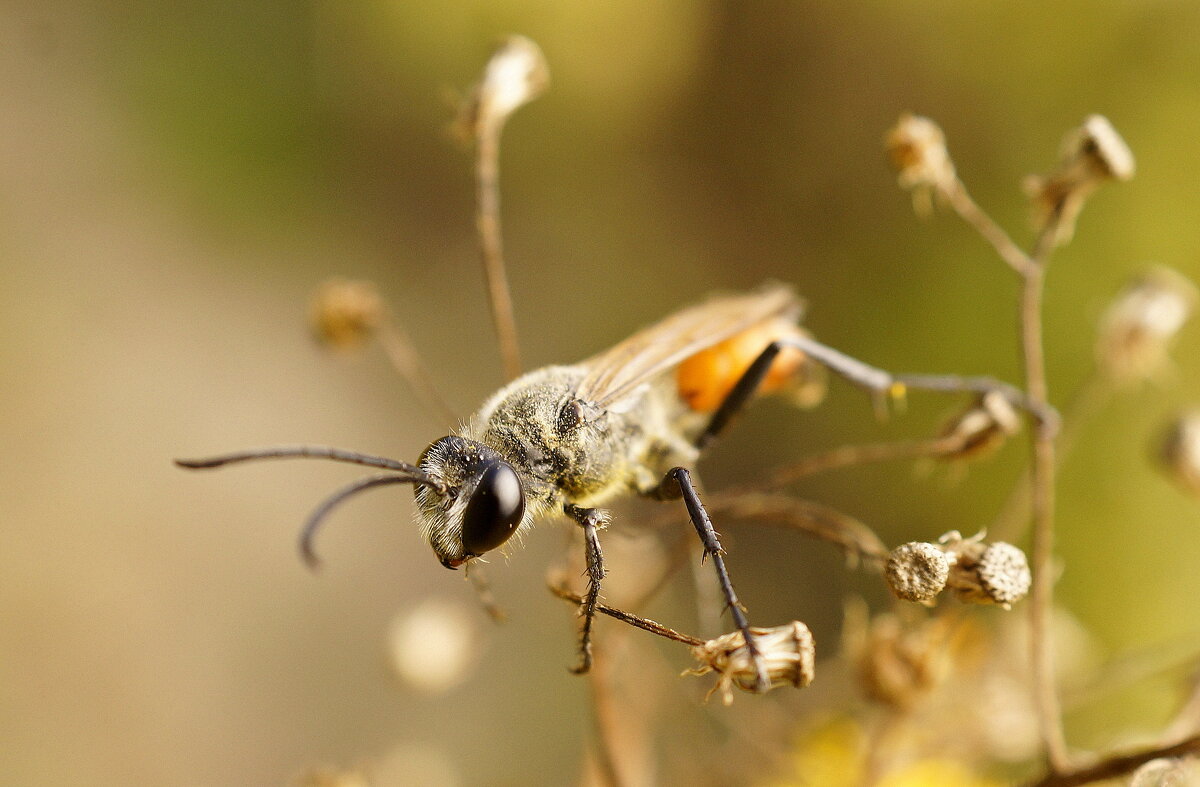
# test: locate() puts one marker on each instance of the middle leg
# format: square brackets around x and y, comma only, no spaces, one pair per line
[678,484]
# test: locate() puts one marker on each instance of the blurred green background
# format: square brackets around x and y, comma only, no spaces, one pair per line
[176,178]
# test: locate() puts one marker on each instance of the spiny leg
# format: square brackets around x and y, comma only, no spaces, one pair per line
[676,484]
[590,519]
[881,384]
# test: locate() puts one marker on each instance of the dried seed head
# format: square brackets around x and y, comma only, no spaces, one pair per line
[982,428]
[917,571]
[982,573]
[345,314]
[1180,451]
[515,75]
[1166,772]
[1099,145]
[1091,155]
[918,150]
[788,654]
[1137,329]
[898,663]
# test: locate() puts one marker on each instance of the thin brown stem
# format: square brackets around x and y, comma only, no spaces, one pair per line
[1032,269]
[407,361]
[645,624]
[960,200]
[1119,765]
[1041,599]
[1011,523]
[487,221]
[854,455]
[606,717]
[858,541]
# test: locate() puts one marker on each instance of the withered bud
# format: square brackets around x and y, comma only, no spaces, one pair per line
[1090,155]
[982,428]
[917,147]
[345,314]
[982,573]
[1180,451]
[897,664]
[788,654]
[515,75]
[1135,333]
[1166,772]
[917,571]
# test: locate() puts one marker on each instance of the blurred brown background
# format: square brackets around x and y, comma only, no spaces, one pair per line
[176,178]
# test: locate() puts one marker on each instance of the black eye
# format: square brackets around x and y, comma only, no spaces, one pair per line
[494,510]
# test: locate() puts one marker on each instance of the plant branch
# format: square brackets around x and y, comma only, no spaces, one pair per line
[407,361]
[645,624]
[960,200]
[1119,765]
[1032,269]
[487,220]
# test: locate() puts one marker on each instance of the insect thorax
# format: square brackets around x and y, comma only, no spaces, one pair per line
[573,452]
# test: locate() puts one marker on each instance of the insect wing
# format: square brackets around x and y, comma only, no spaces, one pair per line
[649,352]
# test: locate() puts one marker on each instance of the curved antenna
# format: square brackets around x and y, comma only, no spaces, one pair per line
[311,452]
[318,515]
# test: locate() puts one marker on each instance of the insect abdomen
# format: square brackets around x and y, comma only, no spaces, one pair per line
[706,378]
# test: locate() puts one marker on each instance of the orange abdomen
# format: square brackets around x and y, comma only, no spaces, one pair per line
[706,378]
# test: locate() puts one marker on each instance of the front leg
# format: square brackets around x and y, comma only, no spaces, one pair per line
[590,519]
[676,484]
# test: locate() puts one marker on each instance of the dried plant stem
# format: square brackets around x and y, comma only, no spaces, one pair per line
[407,361]
[960,200]
[607,719]
[644,624]
[1032,270]
[1042,501]
[1112,767]
[853,455]
[487,221]
[1012,521]
[858,541]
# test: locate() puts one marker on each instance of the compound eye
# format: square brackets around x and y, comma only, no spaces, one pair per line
[494,510]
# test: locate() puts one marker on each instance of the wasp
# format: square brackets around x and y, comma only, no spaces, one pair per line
[566,441]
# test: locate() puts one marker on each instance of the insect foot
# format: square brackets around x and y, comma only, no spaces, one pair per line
[786,652]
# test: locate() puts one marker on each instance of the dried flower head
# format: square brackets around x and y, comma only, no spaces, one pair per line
[917,571]
[1091,154]
[788,654]
[899,662]
[1180,451]
[1166,772]
[982,573]
[345,314]
[982,428]
[918,150]
[515,75]
[1137,329]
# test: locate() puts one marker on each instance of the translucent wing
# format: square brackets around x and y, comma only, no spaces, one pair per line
[618,371]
